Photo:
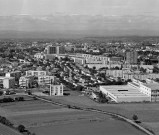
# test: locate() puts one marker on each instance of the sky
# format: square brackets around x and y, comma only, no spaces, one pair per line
[89,7]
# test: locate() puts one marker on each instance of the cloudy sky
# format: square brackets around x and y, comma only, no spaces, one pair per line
[90,7]
[133,17]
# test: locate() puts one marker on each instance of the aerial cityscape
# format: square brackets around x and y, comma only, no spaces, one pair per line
[79,67]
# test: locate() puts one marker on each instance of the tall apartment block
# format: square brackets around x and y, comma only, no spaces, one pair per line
[131,57]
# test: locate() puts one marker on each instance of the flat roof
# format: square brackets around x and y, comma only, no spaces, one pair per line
[153,86]
[123,91]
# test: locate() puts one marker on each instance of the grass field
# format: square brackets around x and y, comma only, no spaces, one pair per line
[107,127]
[48,119]
[148,113]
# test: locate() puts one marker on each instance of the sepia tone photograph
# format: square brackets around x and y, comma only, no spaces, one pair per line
[79,67]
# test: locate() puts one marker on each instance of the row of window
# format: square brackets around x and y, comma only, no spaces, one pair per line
[36,73]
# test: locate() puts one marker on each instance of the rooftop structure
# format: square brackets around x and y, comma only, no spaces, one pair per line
[124,93]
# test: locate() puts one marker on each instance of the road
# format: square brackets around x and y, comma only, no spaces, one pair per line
[4,130]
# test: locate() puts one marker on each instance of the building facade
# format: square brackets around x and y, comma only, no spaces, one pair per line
[15,74]
[7,82]
[149,88]
[131,57]
[56,90]
[39,56]
[36,73]
[55,50]
[46,80]
[26,81]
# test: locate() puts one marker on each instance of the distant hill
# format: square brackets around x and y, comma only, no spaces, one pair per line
[50,26]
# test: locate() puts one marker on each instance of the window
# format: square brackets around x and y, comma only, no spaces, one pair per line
[42,73]
[36,73]
[61,91]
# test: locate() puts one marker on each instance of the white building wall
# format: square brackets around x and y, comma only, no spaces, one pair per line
[46,79]
[56,90]
[8,83]
[36,73]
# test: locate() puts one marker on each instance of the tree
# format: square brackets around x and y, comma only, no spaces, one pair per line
[21,128]
[101,95]
[135,117]
[117,68]
[94,68]
[79,88]
[2,120]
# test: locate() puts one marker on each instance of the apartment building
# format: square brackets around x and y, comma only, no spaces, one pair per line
[56,90]
[26,81]
[15,74]
[36,73]
[46,80]
[7,82]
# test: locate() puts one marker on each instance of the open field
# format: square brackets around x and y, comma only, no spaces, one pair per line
[45,118]
[109,127]
[148,113]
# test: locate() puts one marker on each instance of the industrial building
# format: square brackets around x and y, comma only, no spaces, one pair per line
[150,88]
[135,91]
[124,93]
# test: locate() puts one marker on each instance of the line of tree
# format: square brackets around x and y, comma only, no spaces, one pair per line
[9,99]
[5,121]
[20,128]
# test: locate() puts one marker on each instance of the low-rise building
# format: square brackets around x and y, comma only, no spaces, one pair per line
[15,74]
[39,56]
[26,81]
[7,82]
[46,80]
[139,76]
[114,73]
[36,73]
[124,93]
[79,60]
